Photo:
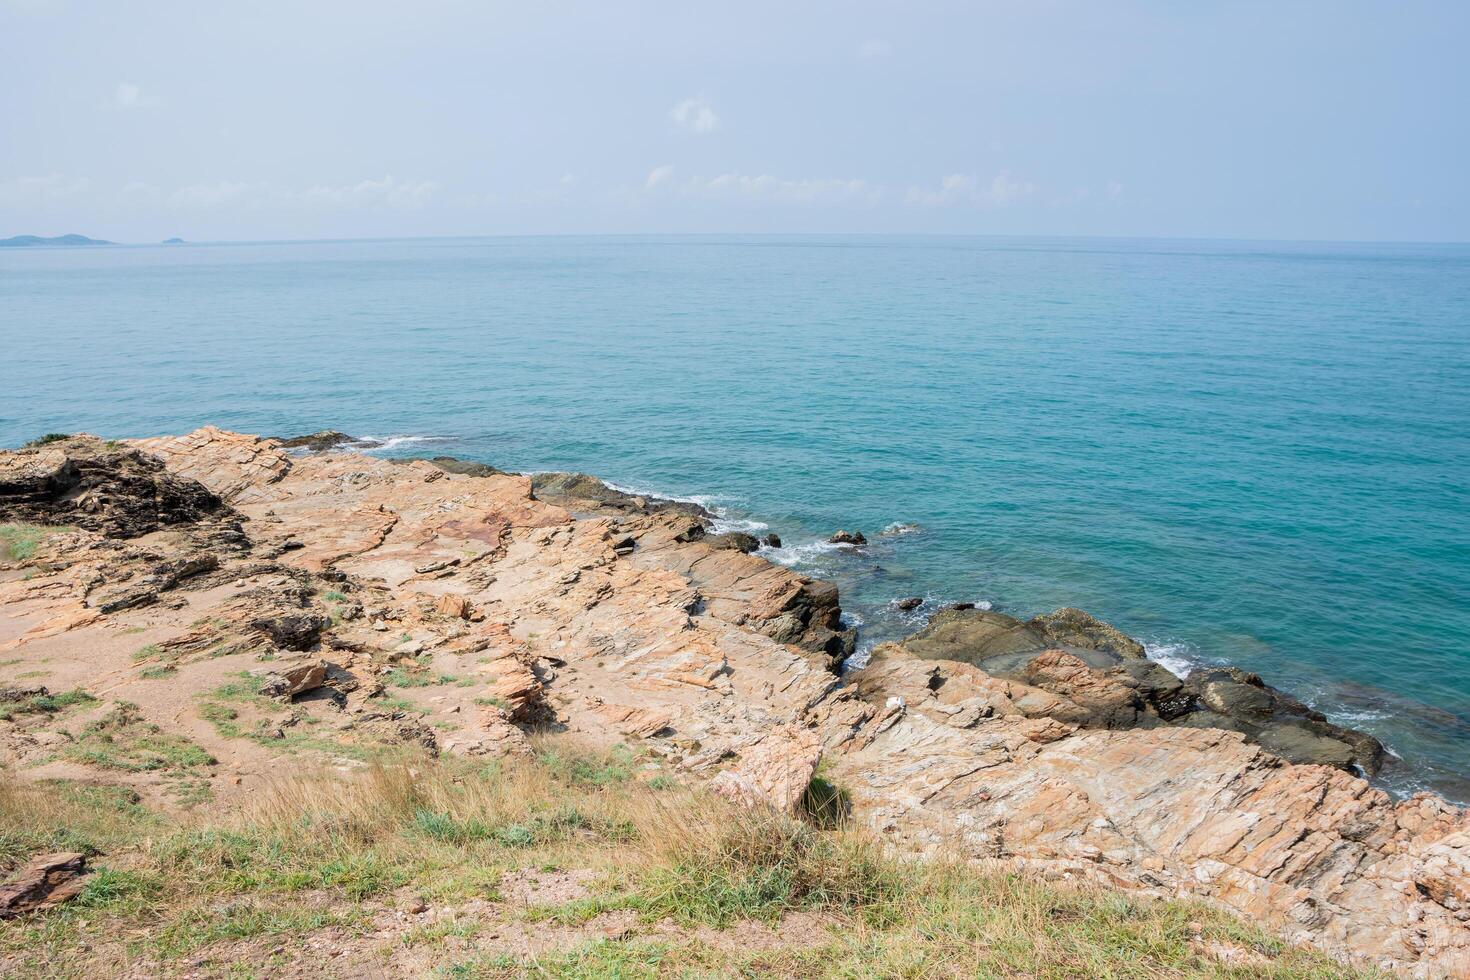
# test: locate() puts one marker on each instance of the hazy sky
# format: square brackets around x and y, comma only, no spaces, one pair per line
[145,119]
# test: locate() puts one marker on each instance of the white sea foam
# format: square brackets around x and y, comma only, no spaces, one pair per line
[372,444]
[898,528]
[1177,658]
[806,553]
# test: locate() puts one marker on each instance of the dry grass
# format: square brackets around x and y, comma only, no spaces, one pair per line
[320,855]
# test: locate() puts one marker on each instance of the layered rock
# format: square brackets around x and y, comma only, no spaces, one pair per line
[493,610]
[1107,681]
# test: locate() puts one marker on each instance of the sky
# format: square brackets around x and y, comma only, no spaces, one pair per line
[235,120]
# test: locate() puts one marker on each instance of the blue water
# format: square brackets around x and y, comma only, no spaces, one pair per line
[1241,452]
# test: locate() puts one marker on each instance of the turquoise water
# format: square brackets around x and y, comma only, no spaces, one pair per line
[1242,452]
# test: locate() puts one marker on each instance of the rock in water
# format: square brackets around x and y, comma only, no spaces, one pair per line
[321,442]
[910,604]
[847,537]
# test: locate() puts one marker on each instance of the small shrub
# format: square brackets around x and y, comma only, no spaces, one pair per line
[47,439]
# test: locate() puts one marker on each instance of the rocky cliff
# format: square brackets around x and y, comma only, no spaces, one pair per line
[149,572]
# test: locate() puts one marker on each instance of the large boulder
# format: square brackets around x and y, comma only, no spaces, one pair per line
[976,636]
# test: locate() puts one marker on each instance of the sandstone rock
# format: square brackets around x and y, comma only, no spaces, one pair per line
[295,680]
[710,655]
[774,771]
[453,605]
[43,882]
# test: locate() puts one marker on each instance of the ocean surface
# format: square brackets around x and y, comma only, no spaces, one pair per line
[1240,452]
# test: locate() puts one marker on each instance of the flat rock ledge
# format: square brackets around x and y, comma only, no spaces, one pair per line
[161,568]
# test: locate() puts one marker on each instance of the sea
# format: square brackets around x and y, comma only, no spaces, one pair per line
[1247,453]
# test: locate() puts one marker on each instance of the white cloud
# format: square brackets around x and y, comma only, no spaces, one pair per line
[21,191]
[695,115]
[659,175]
[1001,190]
[765,187]
[874,50]
[568,179]
[130,96]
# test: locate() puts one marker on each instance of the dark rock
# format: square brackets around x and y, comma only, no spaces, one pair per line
[106,487]
[160,579]
[12,694]
[772,541]
[910,604]
[1280,722]
[293,631]
[960,605]
[320,442]
[734,540]
[572,489]
[43,882]
[848,537]
[1073,627]
[974,636]
[693,531]
[464,467]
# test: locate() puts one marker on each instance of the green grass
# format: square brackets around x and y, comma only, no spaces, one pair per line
[309,861]
[19,542]
[121,741]
[45,704]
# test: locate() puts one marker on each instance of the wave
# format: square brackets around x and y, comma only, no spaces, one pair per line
[898,528]
[372,444]
[1178,658]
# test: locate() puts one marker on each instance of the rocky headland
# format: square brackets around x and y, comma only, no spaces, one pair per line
[141,575]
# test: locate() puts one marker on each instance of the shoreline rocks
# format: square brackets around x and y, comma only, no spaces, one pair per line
[405,604]
[1107,681]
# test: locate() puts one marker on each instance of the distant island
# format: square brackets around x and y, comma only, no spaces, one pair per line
[174,241]
[28,241]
